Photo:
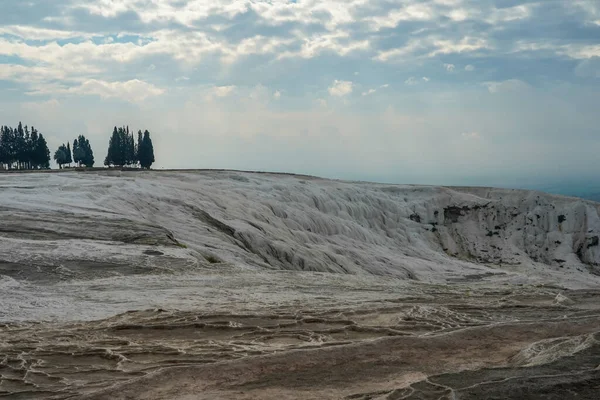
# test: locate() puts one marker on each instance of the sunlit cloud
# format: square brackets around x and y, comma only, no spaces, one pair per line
[340,88]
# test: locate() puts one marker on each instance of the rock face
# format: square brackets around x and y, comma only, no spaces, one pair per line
[284,222]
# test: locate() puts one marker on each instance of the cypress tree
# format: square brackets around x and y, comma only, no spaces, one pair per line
[69,156]
[138,147]
[4,145]
[27,149]
[42,152]
[23,148]
[131,148]
[34,138]
[60,156]
[146,151]
[85,155]
[76,153]
[20,146]
[114,149]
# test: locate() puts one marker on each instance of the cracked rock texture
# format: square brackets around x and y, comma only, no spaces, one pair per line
[224,284]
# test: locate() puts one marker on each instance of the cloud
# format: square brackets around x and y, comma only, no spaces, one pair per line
[220,91]
[133,91]
[340,88]
[510,85]
[449,67]
[277,95]
[588,68]
[372,90]
[471,135]
[434,46]
[369,92]
[469,68]
[37,33]
[340,43]
[411,81]
[408,12]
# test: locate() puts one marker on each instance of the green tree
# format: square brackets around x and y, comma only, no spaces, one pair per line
[60,156]
[76,153]
[146,151]
[5,142]
[137,148]
[131,150]
[20,146]
[42,153]
[85,153]
[82,152]
[33,143]
[23,148]
[113,156]
[69,156]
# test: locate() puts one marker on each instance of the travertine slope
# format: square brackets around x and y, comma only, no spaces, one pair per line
[139,220]
[223,284]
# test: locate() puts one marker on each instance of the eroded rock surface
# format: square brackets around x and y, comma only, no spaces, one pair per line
[220,285]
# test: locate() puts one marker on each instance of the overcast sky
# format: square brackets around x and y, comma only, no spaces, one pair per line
[415,91]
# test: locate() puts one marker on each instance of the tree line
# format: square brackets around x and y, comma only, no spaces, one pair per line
[21,148]
[82,153]
[123,150]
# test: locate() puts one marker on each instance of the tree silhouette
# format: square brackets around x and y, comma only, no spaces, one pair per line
[22,148]
[83,154]
[146,151]
[113,156]
[69,156]
[123,151]
[60,156]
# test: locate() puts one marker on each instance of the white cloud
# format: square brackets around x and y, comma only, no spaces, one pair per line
[277,95]
[220,91]
[469,68]
[340,88]
[133,91]
[449,67]
[411,81]
[35,33]
[410,12]
[471,135]
[510,85]
[464,45]
[508,14]
[579,52]
[339,42]
[369,92]
[385,85]
[426,79]
[398,53]
[432,46]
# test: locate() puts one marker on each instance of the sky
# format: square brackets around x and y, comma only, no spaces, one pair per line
[493,92]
